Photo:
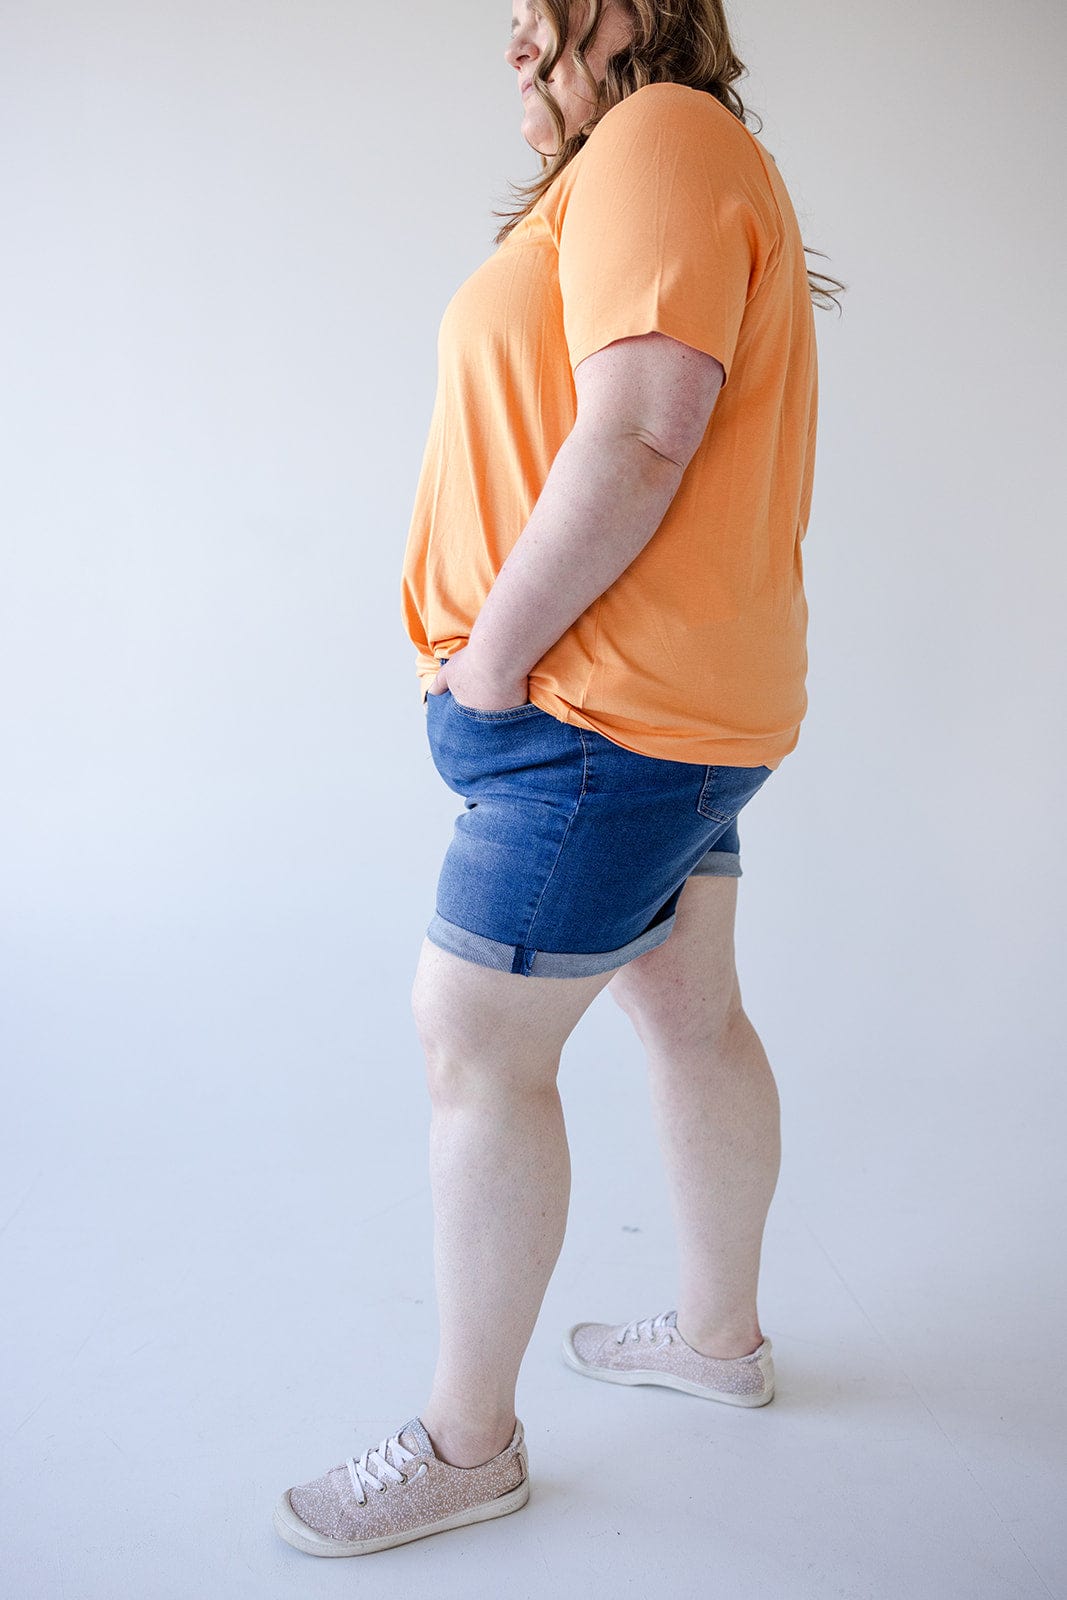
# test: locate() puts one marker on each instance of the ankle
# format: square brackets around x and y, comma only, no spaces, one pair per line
[465,1446]
[725,1341]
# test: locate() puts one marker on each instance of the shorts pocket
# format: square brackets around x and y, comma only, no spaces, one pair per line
[726,790]
[505,714]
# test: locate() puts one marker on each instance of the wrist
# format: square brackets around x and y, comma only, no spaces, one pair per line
[491,662]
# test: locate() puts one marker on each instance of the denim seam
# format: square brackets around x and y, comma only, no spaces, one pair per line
[507,714]
[548,876]
[714,814]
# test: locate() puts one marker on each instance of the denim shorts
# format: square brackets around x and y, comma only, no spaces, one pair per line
[571,851]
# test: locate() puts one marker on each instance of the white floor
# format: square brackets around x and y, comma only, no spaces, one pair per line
[216,1253]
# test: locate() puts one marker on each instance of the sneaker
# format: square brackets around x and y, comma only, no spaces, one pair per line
[400,1491]
[651,1350]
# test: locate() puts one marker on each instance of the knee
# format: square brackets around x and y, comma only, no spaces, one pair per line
[444,1047]
[672,1019]
[452,1073]
[452,1018]
[474,1048]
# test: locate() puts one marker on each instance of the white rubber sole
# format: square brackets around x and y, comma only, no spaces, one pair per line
[297,1533]
[666,1380]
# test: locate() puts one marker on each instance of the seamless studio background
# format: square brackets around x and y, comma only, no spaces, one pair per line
[230,232]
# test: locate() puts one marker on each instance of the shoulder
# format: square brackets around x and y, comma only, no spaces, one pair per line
[667,107]
[664,145]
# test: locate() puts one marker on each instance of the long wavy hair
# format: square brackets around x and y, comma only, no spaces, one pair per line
[683,41]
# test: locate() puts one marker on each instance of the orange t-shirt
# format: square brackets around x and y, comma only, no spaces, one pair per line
[673,218]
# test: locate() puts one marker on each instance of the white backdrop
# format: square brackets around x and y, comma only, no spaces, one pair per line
[230,230]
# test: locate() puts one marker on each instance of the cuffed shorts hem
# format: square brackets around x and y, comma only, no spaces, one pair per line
[718,864]
[485,952]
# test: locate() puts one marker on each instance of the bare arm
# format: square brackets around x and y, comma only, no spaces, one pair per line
[643,407]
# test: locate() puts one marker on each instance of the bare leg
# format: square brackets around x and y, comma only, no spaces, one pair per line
[500,1176]
[717,1112]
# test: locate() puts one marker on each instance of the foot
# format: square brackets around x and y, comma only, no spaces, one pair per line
[399,1491]
[652,1350]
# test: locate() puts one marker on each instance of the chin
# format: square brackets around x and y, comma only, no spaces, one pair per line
[540,139]
[537,125]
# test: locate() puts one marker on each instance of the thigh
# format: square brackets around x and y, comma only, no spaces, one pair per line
[513,1025]
[687,986]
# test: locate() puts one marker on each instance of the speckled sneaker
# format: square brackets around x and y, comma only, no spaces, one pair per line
[651,1350]
[400,1491]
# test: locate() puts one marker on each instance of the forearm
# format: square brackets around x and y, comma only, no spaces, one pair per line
[601,503]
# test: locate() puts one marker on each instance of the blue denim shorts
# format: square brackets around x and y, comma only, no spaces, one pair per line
[571,851]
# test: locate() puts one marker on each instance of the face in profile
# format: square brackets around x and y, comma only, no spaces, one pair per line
[531,39]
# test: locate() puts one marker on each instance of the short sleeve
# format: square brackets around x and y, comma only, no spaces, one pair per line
[662,229]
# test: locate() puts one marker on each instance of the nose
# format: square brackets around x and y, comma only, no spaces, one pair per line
[521,48]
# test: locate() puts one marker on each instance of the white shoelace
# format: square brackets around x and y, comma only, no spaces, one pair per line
[374,1469]
[652,1327]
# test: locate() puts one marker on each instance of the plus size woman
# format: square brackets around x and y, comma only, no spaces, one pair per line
[604,586]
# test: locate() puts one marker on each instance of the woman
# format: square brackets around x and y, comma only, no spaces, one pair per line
[604,584]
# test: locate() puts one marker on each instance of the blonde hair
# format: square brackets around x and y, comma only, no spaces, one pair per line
[687,41]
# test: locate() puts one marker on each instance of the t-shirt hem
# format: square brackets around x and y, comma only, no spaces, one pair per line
[696,338]
[769,751]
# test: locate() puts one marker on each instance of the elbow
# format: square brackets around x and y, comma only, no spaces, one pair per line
[676,439]
[675,453]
